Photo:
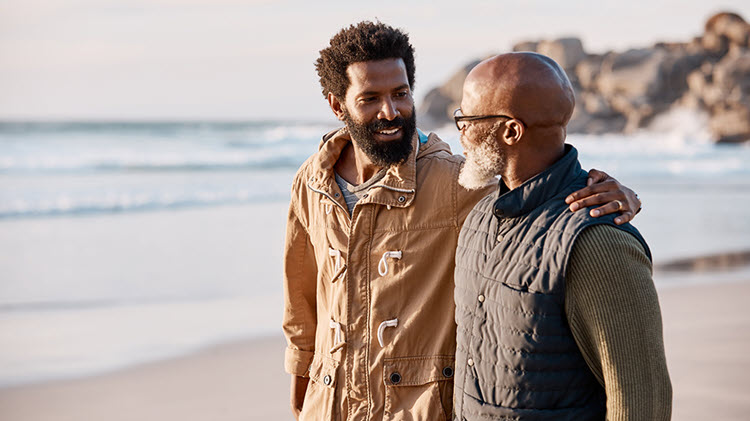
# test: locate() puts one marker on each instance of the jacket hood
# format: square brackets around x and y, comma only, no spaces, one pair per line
[400,181]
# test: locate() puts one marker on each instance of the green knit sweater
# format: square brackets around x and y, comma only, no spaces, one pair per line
[614,315]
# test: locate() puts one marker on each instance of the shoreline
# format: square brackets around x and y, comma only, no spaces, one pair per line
[708,262]
[706,334]
[208,350]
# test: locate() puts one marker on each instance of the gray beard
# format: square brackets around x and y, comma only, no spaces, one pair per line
[482,164]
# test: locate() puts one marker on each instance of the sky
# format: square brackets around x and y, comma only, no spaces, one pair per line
[254,59]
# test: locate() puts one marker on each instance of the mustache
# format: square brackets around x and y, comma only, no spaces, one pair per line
[396,123]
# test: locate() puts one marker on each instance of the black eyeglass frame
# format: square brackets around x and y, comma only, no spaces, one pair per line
[460,118]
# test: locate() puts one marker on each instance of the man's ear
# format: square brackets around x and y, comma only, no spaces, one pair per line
[336,106]
[512,132]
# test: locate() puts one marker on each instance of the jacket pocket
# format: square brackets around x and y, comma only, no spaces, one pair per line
[418,388]
[320,394]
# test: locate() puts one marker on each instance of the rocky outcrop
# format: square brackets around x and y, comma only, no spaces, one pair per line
[724,90]
[439,103]
[624,91]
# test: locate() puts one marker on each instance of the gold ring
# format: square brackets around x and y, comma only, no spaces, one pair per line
[619,205]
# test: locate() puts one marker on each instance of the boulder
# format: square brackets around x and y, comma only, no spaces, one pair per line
[727,95]
[634,73]
[567,52]
[436,109]
[624,91]
[732,75]
[432,111]
[583,122]
[588,70]
[640,83]
[594,105]
[715,44]
[675,69]
[526,46]
[730,27]
[731,125]
[697,82]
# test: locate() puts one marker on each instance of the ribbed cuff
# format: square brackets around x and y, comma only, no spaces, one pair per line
[297,362]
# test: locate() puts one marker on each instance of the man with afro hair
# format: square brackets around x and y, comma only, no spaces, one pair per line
[370,244]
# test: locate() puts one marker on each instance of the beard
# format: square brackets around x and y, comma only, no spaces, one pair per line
[383,154]
[483,162]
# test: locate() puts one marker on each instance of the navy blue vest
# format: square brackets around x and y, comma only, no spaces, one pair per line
[516,357]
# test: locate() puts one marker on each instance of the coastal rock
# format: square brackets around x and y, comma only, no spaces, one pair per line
[698,82]
[567,52]
[438,105]
[729,97]
[585,122]
[678,69]
[595,105]
[526,46]
[731,125]
[732,76]
[433,112]
[625,91]
[729,27]
[715,44]
[634,73]
[644,82]
[587,71]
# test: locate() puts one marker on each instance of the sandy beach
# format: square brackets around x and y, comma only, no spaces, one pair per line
[707,339]
[241,381]
[707,336]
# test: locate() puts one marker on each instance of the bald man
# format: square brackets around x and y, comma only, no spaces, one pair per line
[557,314]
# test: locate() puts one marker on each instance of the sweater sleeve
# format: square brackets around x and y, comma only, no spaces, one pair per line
[613,311]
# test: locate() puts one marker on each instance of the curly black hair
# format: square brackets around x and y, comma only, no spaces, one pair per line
[364,41]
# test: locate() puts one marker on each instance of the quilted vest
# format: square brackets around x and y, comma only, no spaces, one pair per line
[516,357]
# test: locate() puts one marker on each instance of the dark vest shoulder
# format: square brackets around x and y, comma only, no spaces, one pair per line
[516,356]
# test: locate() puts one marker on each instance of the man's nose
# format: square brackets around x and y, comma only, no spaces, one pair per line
[388,110]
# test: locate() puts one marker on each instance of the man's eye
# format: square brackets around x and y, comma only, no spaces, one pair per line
[402,94]
[368,99]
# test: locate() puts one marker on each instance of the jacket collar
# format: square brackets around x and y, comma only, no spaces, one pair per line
[397,188]
[538,189]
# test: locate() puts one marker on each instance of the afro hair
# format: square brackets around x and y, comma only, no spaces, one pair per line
[365,41]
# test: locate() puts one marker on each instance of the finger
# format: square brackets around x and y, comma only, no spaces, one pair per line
[610,207]
[595,200]
[588,191]
[596,176]
[625,217]
[634,202]
[606,187]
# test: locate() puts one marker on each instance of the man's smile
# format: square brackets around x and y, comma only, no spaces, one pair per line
[388,134]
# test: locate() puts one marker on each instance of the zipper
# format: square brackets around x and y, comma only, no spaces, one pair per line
[393,188]
[346,211]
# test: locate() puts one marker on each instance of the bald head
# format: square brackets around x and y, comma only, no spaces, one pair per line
[527,86]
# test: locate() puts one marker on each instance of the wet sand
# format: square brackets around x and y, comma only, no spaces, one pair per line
[707,339]
[242,381]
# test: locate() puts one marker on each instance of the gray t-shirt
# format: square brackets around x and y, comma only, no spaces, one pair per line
[353,193]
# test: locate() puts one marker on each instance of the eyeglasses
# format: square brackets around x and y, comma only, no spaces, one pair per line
[459,117]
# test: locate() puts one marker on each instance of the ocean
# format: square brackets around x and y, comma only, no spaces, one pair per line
[122,243]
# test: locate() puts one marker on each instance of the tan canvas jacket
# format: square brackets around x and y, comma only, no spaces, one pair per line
[369,311]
